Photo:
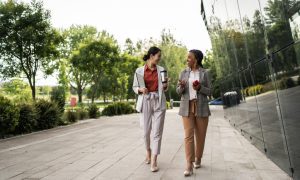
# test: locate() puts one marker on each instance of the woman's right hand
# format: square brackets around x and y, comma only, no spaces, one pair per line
[143,90]
[182,83]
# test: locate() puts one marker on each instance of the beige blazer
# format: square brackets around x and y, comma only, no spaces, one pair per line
[136,86]
[202,94]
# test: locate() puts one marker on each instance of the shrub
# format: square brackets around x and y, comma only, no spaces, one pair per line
[290,83]
[49,115]
[82,114]
[168,105]
[93,111]
[286,83]
[27,120]
[9,115]
[118,109]
[259,88]
[268,87]
[72,116]
[58,95]
[299,80]
[251,91]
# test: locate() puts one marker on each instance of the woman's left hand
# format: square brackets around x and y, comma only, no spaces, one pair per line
[196,88]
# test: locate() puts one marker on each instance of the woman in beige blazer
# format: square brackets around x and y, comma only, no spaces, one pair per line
[194,87]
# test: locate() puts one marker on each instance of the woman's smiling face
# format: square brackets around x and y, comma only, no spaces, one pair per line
[155,58]
[191,60]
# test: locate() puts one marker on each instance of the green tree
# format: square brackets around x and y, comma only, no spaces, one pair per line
[17,89]
[129,47]
[75,37]
[28,43]
[96,58]
[209,62]
[128,66]
[173,59]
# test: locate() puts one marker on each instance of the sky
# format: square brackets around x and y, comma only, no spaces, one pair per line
[134,19]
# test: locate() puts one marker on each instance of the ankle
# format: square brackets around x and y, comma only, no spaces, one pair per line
[189,166]
[198,160]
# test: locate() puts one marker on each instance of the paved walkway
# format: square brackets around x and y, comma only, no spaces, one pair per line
[112,148]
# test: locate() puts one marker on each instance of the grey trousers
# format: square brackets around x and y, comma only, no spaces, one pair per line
[154,118]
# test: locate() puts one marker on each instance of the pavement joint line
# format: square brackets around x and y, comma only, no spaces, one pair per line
[142,163]
[71,151]
[54,171]
[119,159]
[45,130]
[47,139]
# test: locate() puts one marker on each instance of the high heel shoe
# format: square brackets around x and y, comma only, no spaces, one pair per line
[147,161]
[154,168]
[197,165]
[188,172]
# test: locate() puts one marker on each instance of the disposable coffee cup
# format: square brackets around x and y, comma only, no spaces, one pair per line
[164,76]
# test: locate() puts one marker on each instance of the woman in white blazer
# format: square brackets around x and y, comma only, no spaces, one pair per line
[151,102]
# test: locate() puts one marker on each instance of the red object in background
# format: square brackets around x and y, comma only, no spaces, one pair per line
[196,83]
[73,102]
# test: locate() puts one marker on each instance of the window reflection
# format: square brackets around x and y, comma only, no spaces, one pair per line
[257,53]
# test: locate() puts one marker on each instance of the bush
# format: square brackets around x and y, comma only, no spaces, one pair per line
[299,80]
[259,89]
[286,83]
[49,115]
[168,105]
[290,83]
[82,114]
[9,115]
[253,90]
[27,120]
[118,109]
[72,116]
[58,95]
[93,111]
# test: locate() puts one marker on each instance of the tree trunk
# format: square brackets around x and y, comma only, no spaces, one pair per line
[93,99]
[33,92]
[94,93]
[104,97]
[79,93]
[32,87]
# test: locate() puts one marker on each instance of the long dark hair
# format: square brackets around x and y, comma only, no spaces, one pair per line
[198,55]
[152,51]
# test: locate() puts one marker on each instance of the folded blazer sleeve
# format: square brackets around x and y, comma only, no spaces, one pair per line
[206,87]
[180,89]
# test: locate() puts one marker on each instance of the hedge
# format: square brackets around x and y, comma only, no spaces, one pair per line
[9,116]
[118,109]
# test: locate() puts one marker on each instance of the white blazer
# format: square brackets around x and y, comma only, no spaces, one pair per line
[136,86]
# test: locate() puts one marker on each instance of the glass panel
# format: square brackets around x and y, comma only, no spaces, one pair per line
[269,112]
[288,84]
[249,117]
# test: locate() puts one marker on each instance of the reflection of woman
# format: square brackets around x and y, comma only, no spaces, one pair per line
[194,86]
[151,102]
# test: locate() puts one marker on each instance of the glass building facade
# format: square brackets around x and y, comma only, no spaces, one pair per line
[256,49]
